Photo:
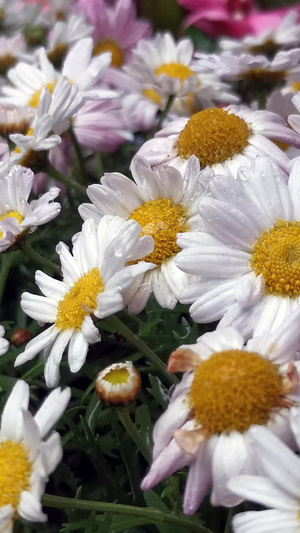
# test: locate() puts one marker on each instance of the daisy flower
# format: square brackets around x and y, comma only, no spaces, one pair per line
[17,215]
[14,119]
[226,389]
[223,139]
[26,456]
[277,486]
[116,29]
[4,344]
[164,203]
[248,256]
[64,34]
[268,42]
[164,64]
[94,278]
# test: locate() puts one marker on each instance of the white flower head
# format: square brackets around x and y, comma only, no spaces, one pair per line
[94,279]
[4,344]
[285,35]
[227,388]
[64,34]
[17,215]
[29,452]
[222,139]
[164,203]
[164,64]
[277,486]
[118,384]
[248,257]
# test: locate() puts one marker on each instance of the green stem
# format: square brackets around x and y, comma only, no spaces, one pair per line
[164,113]
[38,258]
[117,324]
[154,515]
[126,421]
[229,520]
[79,155]
[262,100]
[6,264]
[66,180]
[99,165]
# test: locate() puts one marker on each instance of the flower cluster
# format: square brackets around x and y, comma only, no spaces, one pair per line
[178,173]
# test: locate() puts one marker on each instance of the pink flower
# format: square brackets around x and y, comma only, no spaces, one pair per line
[116,28]
[231,17]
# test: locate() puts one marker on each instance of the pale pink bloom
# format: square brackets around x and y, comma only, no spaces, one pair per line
[210,433]
[231,17]
[116,25]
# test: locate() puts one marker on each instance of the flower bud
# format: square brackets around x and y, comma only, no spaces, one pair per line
[118,384]
[20,336]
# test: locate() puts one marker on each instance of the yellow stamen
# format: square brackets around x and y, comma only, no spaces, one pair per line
[117,54]
[234,389]
[175,70]
[296,86]
[213,135]
[80,301]
[276,255]
[117,376]
[152,95]
[163,220]
[13,214]
[15,470]
[35,99]
[1,234]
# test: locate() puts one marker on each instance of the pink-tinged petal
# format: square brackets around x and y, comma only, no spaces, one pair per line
[190,440]
[183,359]
[170,460]
[199,480]
[173,418]
[231,457]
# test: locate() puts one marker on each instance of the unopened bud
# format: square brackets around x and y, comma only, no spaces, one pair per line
[118,384]
[20,336]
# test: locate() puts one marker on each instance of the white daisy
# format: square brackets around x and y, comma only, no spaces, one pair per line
[226,389]
[17,215]
[94,278]
[4,344]
[165,204]
[164,64]
[286,35]
[277,486]
[14,119]
[223,139]
[249,255]
[26,457]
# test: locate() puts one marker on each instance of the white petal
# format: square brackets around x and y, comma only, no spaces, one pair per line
[12,416]
[52,409]
[261,490]
[77,352]
[31,509]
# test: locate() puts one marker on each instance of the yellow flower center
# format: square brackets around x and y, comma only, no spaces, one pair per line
[117,54]
[175,70]
[117,376]
[234,389]
[15,470]
[35,98]
[13,214]
[276,255]
[162,219]
[1,234]
[152,95]
[296,86]
[213,135]
[79,301]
